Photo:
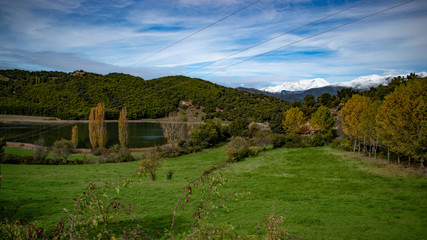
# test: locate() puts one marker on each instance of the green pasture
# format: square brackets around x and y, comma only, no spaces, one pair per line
[323,193]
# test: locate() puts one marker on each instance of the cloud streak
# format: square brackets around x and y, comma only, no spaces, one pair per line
[115,36]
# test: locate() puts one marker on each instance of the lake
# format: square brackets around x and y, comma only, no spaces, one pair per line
[140,134]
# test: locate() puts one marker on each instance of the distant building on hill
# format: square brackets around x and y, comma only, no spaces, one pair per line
[78,73]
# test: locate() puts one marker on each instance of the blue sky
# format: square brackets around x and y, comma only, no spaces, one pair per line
[117,35]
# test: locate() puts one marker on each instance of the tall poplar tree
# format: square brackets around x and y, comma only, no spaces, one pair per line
[75,136]
[97,126]
[92,128]
[352,117]
[101,128]
[123,128]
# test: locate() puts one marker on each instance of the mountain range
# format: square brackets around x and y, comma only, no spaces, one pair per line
[296,91]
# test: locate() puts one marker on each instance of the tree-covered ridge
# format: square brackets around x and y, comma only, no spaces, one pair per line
[67,96]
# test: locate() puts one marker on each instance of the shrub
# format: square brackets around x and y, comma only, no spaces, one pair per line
[290,140]
[150,163]
[237,149]
[262,138]
[170,174]
[322,139]
[344,144]
[62,149]
[208,134]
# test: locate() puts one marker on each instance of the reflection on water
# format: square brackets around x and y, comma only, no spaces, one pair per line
[140,134]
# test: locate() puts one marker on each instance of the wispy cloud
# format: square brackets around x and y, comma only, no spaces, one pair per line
[117,35]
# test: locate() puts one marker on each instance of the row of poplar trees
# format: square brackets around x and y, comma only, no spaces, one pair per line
[98,129]
[398,123]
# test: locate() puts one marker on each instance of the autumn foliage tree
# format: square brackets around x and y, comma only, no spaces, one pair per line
[123,128]
[294,119]
[75,136]
[97,126]
[402,120]
[352,117]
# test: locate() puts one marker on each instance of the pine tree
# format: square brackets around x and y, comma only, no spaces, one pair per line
[123,128]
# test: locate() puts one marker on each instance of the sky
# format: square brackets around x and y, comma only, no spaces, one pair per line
[131,36]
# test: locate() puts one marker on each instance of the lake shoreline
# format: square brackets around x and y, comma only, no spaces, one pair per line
[38,119]
[4,118]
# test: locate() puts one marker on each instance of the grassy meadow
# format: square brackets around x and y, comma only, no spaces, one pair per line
[322,192]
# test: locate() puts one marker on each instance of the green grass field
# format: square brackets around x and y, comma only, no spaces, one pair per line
[323,193]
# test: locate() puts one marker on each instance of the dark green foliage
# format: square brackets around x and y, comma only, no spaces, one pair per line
[170,174]
[62,149]
[2,144]
[239,127]
[62,95]
[117,154]
[208,134]
[237,149]
[290,140]
[321,139]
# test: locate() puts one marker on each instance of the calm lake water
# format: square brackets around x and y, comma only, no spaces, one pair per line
[140,134]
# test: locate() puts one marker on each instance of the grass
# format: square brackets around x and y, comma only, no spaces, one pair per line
[324,193]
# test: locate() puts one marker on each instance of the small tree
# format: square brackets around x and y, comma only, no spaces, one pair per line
[62,149]
[150,163]
[75,136]
[322,120]
[123,128]
[294,119]
[40,152]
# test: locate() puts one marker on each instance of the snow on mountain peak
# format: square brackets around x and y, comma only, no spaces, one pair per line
[360,83]
[298,86]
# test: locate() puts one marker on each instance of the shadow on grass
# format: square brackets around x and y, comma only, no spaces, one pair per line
[13,211]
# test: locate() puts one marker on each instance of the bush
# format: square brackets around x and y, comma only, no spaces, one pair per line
[343,144]
[290,140]
[237,149]
[150,163]
[208,134]
[322,139]
[262,138]
[62,149]
[170,174]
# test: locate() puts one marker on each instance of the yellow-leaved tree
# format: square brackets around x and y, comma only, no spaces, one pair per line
[352,117]
[294,119]
[75,136]
[123,128]
[402,120]
[97,126]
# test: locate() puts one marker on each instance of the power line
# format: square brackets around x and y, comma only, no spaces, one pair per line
[287,45]
[312,36]
[194,33]
[175,43]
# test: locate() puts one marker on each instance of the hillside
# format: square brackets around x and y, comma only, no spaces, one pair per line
[67,96]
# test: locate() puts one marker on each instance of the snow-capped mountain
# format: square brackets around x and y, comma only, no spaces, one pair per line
[297,86]
[360,83]
[366,82]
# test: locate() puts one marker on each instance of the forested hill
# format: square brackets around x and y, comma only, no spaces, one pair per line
[67,96]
